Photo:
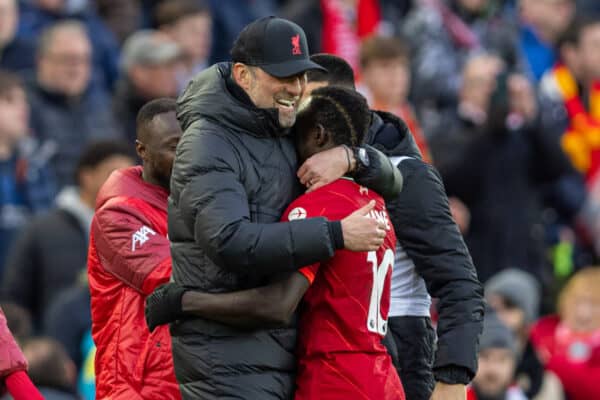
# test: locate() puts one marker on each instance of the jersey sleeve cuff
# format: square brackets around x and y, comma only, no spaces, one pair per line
[309,272]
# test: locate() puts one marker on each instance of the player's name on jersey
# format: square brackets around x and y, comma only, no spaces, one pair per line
[380,216]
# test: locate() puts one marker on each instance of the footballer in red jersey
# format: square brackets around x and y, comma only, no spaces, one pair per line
[345,301]
[343,314]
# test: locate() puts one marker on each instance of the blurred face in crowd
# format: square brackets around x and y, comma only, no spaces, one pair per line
[65,65]
[479,81]
[14,114]
[267,91]
[473,6]
[194,35]
[549,17]
[157,148]
[51,5]
[581,312]
[388,80]
[122,17]
[495,372]
[92,179]
[156,80]
[510,314]
[8,21]
[588,52]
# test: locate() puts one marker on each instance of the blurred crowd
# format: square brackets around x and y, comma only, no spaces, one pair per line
[502,96]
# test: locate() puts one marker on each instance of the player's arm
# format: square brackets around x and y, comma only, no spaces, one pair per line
[130,249]
[374,171]
[266,306]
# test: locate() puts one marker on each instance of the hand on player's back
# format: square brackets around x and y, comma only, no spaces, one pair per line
[362,233]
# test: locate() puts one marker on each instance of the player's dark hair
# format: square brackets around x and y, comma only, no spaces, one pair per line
[153,108]
[97,152]
[339,72]
[342,111]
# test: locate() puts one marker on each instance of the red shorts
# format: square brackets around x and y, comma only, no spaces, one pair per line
[346,376]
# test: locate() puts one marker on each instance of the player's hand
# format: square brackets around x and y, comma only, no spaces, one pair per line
[445,391]
[362,233]
[324,167]
[164,305]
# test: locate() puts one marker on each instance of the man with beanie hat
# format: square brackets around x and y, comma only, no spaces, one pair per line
[497,362]
[234,174]
[515,296]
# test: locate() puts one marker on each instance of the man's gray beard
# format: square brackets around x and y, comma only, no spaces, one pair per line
[287,123]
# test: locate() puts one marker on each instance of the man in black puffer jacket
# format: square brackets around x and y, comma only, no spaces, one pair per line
[233,175]
[431,258]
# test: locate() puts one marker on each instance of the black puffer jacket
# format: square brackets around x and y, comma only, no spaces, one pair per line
[425,230]
[233,176]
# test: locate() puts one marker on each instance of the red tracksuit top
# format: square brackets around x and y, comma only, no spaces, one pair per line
[129,256]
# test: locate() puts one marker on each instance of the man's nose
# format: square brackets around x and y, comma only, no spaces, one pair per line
[295,86]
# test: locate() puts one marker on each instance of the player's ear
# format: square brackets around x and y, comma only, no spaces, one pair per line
[321,135]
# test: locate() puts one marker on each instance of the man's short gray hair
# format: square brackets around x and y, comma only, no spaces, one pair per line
[47,35]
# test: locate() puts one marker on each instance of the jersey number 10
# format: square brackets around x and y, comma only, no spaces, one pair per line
[375,322]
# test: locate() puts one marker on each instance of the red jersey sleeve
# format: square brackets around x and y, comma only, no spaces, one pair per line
[130,249]
[306,206]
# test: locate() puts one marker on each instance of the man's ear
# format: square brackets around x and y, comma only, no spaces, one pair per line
[140,149]
[242,75]
[322,136]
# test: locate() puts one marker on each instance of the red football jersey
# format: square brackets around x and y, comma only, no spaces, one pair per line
[343,316]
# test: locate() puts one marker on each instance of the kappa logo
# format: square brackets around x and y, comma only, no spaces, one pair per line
[364,191]
[297,213]
[296,50]
[140,237]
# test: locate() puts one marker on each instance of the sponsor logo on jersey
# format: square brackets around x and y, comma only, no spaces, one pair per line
[140,237]
[297,213]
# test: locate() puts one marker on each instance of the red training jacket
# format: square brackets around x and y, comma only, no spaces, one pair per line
[128,258]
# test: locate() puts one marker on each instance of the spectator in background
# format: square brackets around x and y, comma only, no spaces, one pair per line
[16,53]
[569,343]
[497,363]
[542,24]
[385,71]
[13,366]
[67,112]
[564,89]
[189,23]
[150,64]
[443,34]
[18,319]
[36,16]
[50,369]
[515,297]
[229,18]
[336,26]
[123,18]
[69,321]
[493,156]
[50,252]
[27,185]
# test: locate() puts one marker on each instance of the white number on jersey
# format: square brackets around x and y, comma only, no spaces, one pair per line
[375,322]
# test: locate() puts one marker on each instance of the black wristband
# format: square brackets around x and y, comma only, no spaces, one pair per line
[335,230]
[452,375]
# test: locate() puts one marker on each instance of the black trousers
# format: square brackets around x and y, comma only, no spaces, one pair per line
[411,343]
